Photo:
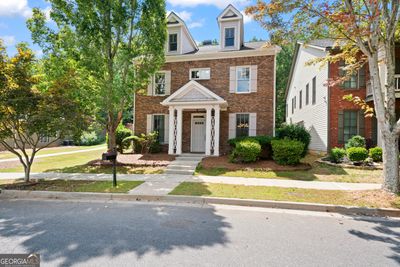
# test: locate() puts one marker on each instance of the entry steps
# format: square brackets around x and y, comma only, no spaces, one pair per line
[184,164]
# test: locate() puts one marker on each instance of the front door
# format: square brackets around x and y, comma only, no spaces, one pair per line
[198,140]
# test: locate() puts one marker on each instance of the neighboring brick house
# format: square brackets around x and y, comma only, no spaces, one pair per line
[321,108]
[205,95]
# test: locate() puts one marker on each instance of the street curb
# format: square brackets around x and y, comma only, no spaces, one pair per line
[304,206]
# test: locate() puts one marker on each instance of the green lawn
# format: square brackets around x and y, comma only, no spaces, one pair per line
[52,150]
[371,198]
[77,163]
[318,172]
[74,186]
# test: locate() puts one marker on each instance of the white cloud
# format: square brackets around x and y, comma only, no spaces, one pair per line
[185,15]
[47,11]
[217,3]
[246,18]
[10,8]
[8,40]
[38,53]
[195,24]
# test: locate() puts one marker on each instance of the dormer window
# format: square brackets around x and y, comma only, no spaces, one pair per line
[173,42]
[229,37]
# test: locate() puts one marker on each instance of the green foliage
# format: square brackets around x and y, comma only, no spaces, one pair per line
[121,133]
[247,150]
[337,154]
[355,141]
[295,132]
[144,143]
[357,154]
[90,139]
[263,140]
[287,152]
[375,154]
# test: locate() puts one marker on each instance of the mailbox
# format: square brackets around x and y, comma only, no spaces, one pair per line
[112,155]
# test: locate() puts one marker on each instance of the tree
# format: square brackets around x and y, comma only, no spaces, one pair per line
[119,42]
[35,105]
[360,27]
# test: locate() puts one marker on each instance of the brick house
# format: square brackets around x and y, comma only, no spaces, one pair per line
[321,108]
[204,95]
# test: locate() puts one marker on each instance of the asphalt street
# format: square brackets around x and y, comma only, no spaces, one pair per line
[146,234]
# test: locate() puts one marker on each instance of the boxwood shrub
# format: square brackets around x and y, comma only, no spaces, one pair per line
[247,150]
[355,141]
[295,132]
[287,152]
[337,154]
[263,140]
[375,154]
[357,154]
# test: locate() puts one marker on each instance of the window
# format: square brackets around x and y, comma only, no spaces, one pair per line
[307,93]
[300,99]
[44,139]
[292,105]
[242,125]
[159,83]
[243,79]
[229,37]
[173,42]
[286,111]
[200,74]
[314,90]
[159,127]
[351,123]
[355,81]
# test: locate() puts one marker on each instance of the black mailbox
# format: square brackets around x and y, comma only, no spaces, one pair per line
[112,155]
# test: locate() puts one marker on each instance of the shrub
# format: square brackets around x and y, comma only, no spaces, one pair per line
[295,132]
[144,143]
[246,151]
[287,152]
[357,154]
[120,134]
[337,154]
[263,140]
[375,154]
[355,141]
[90,139]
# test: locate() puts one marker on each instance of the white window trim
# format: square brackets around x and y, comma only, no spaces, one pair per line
[234,38]
[199,69]
[178,43]
[236,80]
[154,83]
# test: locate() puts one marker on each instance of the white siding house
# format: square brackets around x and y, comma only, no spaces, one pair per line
[307,95]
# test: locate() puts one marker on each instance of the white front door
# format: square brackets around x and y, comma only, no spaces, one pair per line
[198,140]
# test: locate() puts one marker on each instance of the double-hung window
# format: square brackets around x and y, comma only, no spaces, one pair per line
[307,93]
[243,79]
[173,42]
[300,99]
[229,37]
[351,123]
[159,83]
[242,124]
[159,127]
[200,74]
[355,80]
[314,90]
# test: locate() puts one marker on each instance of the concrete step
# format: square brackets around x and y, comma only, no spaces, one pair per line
[192,154]
[186,168]
[187,172]
[188,158]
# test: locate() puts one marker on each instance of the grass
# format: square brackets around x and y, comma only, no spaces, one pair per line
[77,163]
[52,150]
[74,186]
[318,172]
[370,198]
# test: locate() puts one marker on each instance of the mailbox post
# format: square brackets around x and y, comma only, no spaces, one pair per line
[112,156]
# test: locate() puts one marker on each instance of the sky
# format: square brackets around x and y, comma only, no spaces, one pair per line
[199,15]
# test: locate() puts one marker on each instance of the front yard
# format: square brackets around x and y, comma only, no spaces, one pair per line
[317,172]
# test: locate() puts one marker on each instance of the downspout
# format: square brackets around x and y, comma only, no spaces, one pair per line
[329,111]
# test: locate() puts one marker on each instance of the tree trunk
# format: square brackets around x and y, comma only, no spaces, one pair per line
[112,142]
[27,170]
[391,163]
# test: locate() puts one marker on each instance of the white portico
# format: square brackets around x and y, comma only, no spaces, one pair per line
[205,127]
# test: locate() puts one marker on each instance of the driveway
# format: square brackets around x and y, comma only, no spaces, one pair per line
[145,234]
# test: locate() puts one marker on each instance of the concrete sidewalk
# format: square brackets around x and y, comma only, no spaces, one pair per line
[162,184]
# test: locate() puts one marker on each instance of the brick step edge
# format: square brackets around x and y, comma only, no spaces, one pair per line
[304,206]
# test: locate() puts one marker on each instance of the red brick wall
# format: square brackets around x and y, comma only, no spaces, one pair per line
[260,102]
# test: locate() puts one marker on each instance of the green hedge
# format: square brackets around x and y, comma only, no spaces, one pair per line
[357,154]
[337,154]
[120,134]
[355,141]
[90,139]
[246,151]
[263,140]
[287,152]
[295,132]
[375,154]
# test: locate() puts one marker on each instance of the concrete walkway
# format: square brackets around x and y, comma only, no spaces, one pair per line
[162,184]
[56,154]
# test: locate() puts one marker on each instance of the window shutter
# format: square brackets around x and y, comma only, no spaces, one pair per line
[167,82]
[253,124]
[166,128]
[340,127]
[149,123]
[253,78]
[150,87]
[232,125]
[361,123]
[232,79]
[361,77]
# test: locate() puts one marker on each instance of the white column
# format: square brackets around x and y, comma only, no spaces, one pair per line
[208,131]
[216,128]
[171,135]
[179,131]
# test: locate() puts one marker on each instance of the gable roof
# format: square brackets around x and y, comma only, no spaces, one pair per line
[193,93]
[230,12]
[174,20]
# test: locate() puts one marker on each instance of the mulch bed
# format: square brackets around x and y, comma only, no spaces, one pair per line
[264,165]
[375,166]
[137,160]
